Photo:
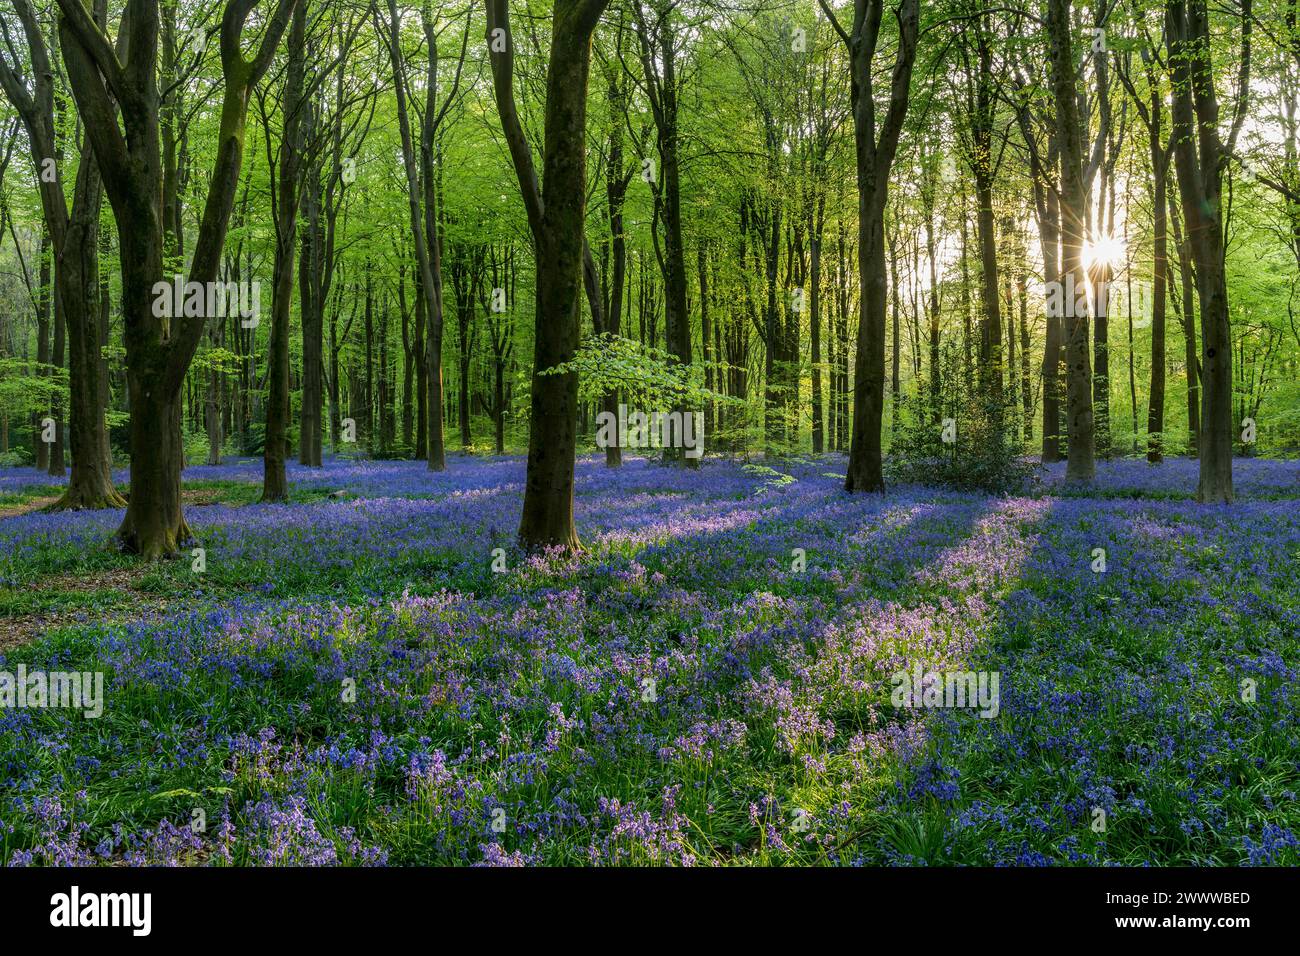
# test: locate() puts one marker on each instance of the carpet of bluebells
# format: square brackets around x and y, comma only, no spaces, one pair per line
[350,682]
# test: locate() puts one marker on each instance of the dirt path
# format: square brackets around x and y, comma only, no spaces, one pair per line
[195,498]
[19,629]
[25,507]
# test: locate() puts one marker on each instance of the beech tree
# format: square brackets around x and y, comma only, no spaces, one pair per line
[659,48]
[618,175]
[159,350]
[339,120]
[1081,463]
[874,155]
[1199,156]
[74,237]
[555,219]
[284,216]
[1151,110]
[422,198]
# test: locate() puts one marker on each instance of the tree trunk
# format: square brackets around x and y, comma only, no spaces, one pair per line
[311,295]
[74,239]
[873,160]
[421,377]
[1187,321]
[1101,279]
[437,456]
[895,299]
[1049,239]
[1160,270]
[706,330]
[1198,154]
[90,485]
[44,308]
[159,350]
[275,482]
[212,407]
[498,405]
[1026,372]
[815,330]
[615,193]
[935,397]
[556,223]
[659,55]
[58,466]
[1082,464]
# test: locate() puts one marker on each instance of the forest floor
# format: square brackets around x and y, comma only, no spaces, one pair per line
[713,681]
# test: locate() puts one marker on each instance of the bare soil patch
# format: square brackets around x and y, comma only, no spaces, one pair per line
[17,630]
[36,504]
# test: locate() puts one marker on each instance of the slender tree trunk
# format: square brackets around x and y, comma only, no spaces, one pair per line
[432,242]
[498,405]
[368,401]
[1101,279]
[421,376]
[1047,210]
[275,482]
[991,321]
[312,308]
[424,223]
[1082,464]
[90,484]
[1198,155]
[935,395]
[615,193]
[659,55]
[895,298]
[1187,321]
[706,331]
[874,158]
[815,329]
[1026,367]
[408,364]
[58,466]
[44,310]
[556,222]
[1159,295]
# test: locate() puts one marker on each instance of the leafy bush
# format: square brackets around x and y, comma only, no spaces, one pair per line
[964,440]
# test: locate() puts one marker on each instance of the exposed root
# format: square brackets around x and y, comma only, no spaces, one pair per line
[80,499]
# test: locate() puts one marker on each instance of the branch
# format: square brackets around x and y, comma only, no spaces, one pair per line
[96,45]
[502,61]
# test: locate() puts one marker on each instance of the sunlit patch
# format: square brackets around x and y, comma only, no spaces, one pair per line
[1103,251]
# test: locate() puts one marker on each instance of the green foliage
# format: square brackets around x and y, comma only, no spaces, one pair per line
[645,376]
[966,442]
[23,392]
